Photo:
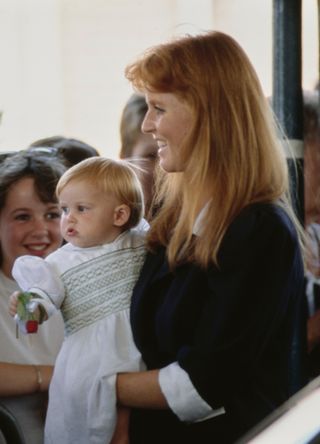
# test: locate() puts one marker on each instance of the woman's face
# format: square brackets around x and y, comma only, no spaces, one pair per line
[27,225]
[169,120]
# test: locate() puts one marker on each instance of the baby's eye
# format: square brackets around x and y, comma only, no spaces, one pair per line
[64,210]
[81,208]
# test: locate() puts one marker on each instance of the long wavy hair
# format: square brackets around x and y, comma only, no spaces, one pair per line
[234,152]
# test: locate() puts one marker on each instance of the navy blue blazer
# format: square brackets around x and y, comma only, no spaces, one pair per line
[238,330]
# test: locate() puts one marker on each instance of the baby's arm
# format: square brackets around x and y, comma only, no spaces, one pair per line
[39,277]
[42,292]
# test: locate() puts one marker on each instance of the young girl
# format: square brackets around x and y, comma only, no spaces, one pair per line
[29,224]
[90,279]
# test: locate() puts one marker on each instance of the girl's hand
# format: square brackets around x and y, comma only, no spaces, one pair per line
[13,303]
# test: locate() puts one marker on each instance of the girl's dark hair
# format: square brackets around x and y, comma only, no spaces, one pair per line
[70,151]
[45,170]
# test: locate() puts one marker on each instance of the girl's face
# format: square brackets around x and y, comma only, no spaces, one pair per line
[169,120]
[27,225]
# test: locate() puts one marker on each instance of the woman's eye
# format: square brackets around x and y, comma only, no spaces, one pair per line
[158,109]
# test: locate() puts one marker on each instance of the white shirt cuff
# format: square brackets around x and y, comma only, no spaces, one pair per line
[182,397]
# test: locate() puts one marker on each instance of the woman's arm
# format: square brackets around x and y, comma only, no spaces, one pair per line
[169,387]
[22,379]
[140,390]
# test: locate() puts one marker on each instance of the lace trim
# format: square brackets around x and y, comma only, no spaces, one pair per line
[100,287]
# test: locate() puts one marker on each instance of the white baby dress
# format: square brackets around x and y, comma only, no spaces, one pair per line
[92,287]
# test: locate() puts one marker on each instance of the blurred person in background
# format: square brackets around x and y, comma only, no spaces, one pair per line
[312,223]
[71,151]
[137,146]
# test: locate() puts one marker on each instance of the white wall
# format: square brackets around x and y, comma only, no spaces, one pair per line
[62,61]
[31,95]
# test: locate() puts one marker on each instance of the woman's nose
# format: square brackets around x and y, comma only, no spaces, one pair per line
[147,125]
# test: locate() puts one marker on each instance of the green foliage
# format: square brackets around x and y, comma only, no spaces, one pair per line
[22,308]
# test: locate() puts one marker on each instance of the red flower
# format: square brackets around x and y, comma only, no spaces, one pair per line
[32,326]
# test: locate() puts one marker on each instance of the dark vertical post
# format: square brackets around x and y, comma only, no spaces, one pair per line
[319,61]
[288,107]
[287,97]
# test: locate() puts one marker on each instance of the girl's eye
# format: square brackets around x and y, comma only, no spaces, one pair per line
[53,215]
[22,216]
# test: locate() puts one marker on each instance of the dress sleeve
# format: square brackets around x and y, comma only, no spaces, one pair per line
[37,276]
[182,396]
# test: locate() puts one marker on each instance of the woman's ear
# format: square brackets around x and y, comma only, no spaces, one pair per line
[121,215]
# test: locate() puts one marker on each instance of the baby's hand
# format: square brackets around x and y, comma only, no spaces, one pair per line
[26,316]
[13,303]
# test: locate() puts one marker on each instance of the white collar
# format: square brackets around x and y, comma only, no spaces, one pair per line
[199,220]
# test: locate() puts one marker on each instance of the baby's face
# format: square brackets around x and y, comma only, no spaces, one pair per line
[87,218]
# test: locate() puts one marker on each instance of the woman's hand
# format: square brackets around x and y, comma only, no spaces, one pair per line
[121,433]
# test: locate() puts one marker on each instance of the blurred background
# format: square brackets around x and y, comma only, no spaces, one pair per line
[62,61]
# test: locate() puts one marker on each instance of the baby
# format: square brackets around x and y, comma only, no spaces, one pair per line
[90,279]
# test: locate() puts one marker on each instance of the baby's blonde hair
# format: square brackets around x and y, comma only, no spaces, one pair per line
[116,177]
